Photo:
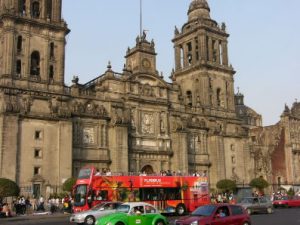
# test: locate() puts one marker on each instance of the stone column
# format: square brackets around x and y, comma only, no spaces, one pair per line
[118,145]
[185,58]
[26,60]
[194,51]
[217,49]
[177,58]
[56,10]
[65,151]
[8,49]
[179,161]
[60,62]
[28,8]
[224,53]
[210,49]
[10,156]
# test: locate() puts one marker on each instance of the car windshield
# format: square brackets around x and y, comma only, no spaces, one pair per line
[97,207]
[281,198]
[123,208]
[206,210]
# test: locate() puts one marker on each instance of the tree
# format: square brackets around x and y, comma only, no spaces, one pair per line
[226,185]
[291,192]
[68,184]
[8,188]
[259,183]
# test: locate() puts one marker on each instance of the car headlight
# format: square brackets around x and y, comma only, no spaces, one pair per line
[109,223]
[79,216]
[194,223]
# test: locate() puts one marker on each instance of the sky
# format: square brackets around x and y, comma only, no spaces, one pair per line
[264,43]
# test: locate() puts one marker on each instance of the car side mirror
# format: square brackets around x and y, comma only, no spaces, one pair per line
[101,209]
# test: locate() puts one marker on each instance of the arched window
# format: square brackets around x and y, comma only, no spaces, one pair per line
[49,9]
[51,50]
[19,43]
[51,72]
[35,9]
[18,67]
[35,64]
[22,7]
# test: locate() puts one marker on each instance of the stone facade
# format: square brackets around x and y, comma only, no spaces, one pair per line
[129,122]
[276,149]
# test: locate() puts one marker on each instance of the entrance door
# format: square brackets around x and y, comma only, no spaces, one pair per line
[36,190]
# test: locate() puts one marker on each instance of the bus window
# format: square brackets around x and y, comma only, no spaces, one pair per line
[148,194]
[80,195]
[173,193]
[103,195]
[84,174]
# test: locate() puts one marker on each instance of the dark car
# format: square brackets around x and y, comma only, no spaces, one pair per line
[216,214]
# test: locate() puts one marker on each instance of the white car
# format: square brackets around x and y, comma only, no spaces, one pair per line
[90,216]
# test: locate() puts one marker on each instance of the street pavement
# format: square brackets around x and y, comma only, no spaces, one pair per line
[279,217]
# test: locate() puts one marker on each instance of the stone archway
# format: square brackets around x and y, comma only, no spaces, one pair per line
[147,169]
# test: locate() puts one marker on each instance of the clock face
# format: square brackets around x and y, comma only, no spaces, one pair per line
[146,63]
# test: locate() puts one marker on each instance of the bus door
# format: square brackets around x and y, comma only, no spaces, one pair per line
[161,199]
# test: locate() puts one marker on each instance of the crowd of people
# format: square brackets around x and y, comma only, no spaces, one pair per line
[23,206]
[222,198]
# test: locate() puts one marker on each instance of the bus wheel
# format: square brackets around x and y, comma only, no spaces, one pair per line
[89,220]
[180,209]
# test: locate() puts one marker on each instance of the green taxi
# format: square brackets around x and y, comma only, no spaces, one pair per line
[134,213]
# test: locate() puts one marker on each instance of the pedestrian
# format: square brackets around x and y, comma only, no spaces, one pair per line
[41,204]
[6,210]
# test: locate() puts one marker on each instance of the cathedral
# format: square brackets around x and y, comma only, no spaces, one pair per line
[133,120]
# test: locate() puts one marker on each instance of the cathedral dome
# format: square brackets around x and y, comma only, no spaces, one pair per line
[199,9]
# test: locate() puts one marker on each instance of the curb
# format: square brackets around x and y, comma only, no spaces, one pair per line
[35,216]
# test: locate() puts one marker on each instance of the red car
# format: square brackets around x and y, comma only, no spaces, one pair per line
[216,214]
[286,201]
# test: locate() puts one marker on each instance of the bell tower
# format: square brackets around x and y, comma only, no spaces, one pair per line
[201,60]
[32,44]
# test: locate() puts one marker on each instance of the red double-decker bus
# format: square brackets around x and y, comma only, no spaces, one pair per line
[170,194]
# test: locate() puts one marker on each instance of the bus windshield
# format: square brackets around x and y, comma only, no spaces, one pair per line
[80,195]
[84,173]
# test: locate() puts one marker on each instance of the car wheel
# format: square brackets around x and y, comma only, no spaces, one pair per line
[160,222]
[180,209]
[89,220]
[119,223]
[249,211]
[269,210]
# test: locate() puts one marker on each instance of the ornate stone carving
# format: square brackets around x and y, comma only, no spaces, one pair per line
[26,105]
[119,116]
[132,118]
[90,109]
[88,135]
[59,108]
[147,123]
[177,123]
[11,104]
